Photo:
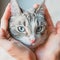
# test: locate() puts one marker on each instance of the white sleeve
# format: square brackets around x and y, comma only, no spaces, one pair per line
[4,55]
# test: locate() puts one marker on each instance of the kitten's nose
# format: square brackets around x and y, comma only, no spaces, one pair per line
[32,41]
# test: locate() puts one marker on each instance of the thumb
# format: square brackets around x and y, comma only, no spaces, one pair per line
[5,18]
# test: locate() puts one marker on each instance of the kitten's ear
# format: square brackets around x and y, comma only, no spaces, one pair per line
[15,10]
[40,8]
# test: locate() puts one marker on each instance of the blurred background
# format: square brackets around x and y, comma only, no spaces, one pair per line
[53,7]
[3,4]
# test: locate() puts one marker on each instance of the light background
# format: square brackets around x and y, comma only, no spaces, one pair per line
[52,5]
[54,9]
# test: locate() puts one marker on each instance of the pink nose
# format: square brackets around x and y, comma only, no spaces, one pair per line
[32,41]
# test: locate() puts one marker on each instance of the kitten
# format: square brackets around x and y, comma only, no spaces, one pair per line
[28,27]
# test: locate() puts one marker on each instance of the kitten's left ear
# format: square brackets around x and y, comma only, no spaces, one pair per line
[39,8]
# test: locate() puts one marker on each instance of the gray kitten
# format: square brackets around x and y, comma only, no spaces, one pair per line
[28,27]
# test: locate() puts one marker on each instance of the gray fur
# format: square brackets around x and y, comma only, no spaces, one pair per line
[27,26]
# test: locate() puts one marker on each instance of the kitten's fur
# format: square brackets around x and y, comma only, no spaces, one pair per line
[28,27]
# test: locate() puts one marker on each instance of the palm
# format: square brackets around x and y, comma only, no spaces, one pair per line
[16,49]
[50,49]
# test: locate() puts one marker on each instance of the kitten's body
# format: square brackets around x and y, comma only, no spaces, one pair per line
[29,27]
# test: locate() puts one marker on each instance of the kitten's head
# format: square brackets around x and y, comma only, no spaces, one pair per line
[30,28]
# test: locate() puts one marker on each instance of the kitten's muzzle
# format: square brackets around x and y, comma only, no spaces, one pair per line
[32,41]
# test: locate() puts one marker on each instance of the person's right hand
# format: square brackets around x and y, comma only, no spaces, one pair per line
[10,49]
[51,49]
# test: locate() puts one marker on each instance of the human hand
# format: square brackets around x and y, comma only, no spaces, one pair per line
[51,49]
[12,49]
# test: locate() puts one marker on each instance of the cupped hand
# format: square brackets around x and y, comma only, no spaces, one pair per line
[12,49]
[51,49]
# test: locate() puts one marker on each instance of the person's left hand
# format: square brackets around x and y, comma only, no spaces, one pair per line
[10,49]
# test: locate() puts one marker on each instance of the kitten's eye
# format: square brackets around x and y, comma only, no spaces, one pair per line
[21,29]
[40,29]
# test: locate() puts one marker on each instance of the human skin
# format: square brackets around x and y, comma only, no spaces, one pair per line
[51,48]
[9,44]
[47,51]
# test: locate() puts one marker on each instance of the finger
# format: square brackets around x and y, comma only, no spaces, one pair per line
[58,27]
[48,19]
[5,18]
[2,33]
[47,16]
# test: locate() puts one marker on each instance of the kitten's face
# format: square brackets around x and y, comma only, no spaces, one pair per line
[30,28]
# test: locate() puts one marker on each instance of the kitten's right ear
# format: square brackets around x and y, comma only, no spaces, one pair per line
[15,10]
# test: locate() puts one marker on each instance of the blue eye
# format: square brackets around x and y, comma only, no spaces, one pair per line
[21,29]
[40,29]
